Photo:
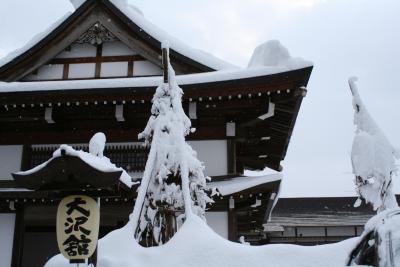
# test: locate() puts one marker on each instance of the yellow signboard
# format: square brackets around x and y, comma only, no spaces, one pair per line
[78,220]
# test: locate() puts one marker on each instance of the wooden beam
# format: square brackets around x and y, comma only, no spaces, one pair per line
[81,60]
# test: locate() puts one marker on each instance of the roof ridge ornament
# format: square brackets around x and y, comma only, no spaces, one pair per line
[96,35]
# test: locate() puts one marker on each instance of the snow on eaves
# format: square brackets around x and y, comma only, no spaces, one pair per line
[102,164]
[238,184]
[134,14]
[33,41]
[215,76]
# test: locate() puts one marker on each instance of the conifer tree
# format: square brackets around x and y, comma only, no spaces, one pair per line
[173,186]
[373,158]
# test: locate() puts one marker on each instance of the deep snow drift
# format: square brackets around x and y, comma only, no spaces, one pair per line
[196,245]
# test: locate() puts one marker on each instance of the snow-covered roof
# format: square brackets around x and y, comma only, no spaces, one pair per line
[239,184]
[102,164]
[136,16]
[33,41]
[197,78]
[273,54]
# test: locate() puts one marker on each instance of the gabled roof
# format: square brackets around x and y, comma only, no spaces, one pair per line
[128,24]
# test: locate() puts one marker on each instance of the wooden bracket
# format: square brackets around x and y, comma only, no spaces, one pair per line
[48,115]
[119,112]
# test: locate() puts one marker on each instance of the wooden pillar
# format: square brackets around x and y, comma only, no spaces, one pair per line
[231,156]
[130,68]
[26,157]
[99,52]
[18,243]
[165,62]
[232,221]
[65,71]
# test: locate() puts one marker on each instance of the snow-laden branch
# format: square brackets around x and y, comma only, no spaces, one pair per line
[372,156]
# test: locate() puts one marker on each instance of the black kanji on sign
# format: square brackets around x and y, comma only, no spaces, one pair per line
[76,225]
[76,246]
[75,205]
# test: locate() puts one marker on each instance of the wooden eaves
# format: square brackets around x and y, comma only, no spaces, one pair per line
[79,113]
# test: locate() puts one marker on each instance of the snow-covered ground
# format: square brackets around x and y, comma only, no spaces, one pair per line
[197,245]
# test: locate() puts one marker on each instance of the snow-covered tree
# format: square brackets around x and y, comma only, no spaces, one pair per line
[173,183]
[373,158]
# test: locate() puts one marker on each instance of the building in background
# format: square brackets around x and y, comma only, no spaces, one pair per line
[315,221]
[96,71]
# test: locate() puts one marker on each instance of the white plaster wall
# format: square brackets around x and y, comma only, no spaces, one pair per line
[341,231]
[114,69]
[218,221]
[47,72]
[79,50]
[84,70]
[214,155]
[116,49]
[7,222]
[142,68]
[10,161]
[311,231]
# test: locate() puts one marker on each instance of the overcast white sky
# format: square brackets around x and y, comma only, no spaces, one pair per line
[342,38]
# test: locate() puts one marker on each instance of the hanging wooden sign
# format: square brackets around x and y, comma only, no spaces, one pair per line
[78,220]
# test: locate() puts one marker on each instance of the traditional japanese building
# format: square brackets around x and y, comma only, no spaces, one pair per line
[96,71]
[316,221]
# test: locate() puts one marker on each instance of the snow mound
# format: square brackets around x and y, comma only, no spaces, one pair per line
[97,144]
[197,245]
[274,54]
[99,163]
